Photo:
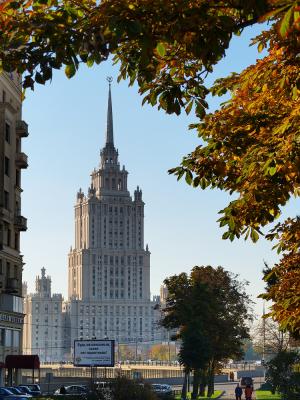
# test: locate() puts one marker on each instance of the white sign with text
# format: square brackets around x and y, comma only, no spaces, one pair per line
[94,353]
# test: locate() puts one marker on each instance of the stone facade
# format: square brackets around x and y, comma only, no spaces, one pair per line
[109,266]
[12,161]
[44,322]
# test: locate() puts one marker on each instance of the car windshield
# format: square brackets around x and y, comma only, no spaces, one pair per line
[14,390]
[34,387]
[5,391]
[24,389]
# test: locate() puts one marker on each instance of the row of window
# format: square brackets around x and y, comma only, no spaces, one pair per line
[9,337]
[6,269]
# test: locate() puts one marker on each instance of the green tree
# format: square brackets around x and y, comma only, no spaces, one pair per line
[210,309]
[250,146]
[282,376]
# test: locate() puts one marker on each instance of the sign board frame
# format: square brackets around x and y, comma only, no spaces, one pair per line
[95,343]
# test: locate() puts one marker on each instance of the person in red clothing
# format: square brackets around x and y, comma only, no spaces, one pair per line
[248,392]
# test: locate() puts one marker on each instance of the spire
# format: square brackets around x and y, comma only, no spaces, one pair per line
[109,128]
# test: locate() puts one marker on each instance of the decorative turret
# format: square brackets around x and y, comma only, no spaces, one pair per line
[138,194]
[43,284]
[91,191]
[80,195]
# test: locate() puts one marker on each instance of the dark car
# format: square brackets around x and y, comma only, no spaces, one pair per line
[18,392]
[246,381]
[8,395]
[74,390]
[34,391]
[162,390]
[34,387]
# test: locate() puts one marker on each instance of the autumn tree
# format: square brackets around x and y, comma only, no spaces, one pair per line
[249,147]
[162,352]
[209,309]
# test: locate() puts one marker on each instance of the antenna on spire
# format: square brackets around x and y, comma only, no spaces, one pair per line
[109,128]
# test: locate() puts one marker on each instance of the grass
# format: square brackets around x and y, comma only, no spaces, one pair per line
[266,395]
[214,396]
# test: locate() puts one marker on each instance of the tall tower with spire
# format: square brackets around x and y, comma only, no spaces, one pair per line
[109,266]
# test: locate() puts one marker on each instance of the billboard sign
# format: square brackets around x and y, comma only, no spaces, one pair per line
[94,353]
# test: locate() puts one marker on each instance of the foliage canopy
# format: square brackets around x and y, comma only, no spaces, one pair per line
[249,147]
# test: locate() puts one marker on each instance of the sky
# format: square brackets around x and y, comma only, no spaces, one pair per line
[67,120]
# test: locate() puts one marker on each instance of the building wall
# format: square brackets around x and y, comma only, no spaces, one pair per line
[44,322]
[12,161]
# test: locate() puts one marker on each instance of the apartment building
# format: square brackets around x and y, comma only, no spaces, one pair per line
[12,160]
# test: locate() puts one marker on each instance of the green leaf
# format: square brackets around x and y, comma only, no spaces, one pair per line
[272,170]
[254,235]
[285,23]
[226,235]
[188,177]
[189,107]
[260,47]
[70,70]
[161,50]
[231,224]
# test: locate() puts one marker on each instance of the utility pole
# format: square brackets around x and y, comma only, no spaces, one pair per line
[264,334]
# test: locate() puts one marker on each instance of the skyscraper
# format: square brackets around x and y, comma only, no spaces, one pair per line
[109,267]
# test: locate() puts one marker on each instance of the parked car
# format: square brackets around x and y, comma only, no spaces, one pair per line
[246,381]
[7,394]
[162,390]
[25,389]
[74,390]
[18,392]
[34,387]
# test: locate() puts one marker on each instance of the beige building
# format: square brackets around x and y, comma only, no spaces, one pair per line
[109,266]
[12,161]
[44,322]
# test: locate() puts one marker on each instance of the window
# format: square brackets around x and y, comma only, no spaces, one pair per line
[15,271]
[6,166]
[8,237]
[16,338]
[4,96]
[1,267]
[2,337]
[7,132]
[18,178]
[6,200]
[17,241]
[8,337]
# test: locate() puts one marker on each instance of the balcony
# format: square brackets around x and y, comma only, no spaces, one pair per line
[20,223]
[21,160]
[22,129]
[11,287]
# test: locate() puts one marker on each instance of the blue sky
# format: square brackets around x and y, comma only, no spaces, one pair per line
[67,125]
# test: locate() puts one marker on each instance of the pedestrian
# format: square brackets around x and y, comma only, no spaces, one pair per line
[248,392]
[238,392]
[62,390]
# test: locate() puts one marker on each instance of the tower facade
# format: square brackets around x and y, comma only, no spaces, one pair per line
[109,266]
